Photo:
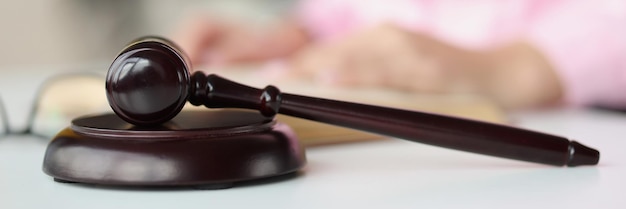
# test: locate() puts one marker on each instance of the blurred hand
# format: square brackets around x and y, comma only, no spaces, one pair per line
[390,56]
[515,75]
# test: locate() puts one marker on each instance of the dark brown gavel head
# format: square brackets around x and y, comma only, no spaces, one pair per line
[149,81]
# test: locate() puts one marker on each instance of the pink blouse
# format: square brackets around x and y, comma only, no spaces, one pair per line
[584,40]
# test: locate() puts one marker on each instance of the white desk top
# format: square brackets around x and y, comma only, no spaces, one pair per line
[382,174]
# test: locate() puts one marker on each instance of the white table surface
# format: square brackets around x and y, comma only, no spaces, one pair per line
[383,174]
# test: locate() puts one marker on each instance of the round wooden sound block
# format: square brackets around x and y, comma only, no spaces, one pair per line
[211,149]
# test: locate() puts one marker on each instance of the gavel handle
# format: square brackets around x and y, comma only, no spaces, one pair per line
[439,130]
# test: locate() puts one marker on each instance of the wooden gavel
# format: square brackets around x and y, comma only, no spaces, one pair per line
[150,82]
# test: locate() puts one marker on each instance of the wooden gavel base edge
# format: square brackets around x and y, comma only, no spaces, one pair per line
[202,149]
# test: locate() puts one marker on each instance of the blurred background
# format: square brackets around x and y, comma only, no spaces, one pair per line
[46,33]
[44,38]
